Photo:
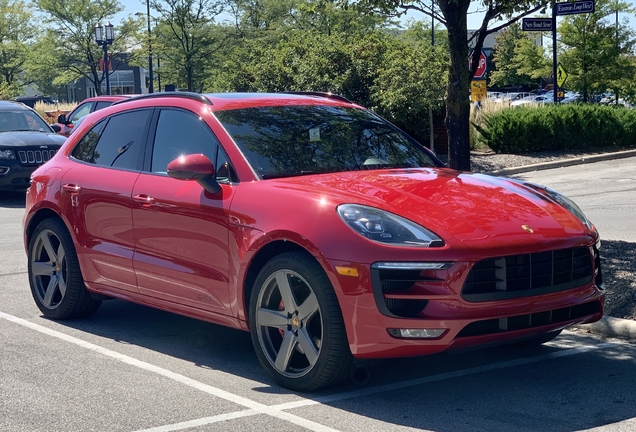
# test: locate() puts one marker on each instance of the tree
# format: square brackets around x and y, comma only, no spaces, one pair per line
[453,15]
[596,51]
[517,59]
[16,32]
[408,84]
[71,37]
[189,39]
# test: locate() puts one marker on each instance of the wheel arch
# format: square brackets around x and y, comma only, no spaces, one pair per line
[34,221]
[261,258]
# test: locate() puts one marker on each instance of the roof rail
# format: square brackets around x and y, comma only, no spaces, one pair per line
[179,94]
[320,94]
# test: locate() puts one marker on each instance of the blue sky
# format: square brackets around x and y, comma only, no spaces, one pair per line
[474,19]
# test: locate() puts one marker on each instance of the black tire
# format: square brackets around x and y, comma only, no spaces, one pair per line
[536,340]
[309,333]
[56,281]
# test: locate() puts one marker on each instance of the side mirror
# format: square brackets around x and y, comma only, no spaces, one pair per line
[61,119]
[56,128]
[195,167]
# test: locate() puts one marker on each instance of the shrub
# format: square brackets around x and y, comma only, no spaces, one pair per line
[558,127]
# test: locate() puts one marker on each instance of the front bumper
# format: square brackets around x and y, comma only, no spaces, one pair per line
[374,332]
[14,176]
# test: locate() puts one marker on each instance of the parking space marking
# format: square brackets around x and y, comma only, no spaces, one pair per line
[201,422]
[14,274]
[391,387]
[441,377]
[278,411]
[214,391]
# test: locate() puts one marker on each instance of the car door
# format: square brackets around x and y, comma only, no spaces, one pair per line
[181,231]
[97,196]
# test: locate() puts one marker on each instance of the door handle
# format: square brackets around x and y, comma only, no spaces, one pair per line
[74,190]
[71,188]
[144,200]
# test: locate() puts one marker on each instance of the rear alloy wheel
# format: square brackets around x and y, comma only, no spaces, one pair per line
[296,324]
[56,282]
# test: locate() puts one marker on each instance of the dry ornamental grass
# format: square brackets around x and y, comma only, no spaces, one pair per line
[50,112]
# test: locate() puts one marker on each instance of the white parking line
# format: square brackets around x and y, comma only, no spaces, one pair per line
[277,411]
[440,377]
[239,400]
[201,422]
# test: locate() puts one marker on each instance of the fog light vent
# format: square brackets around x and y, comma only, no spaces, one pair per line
[416,333]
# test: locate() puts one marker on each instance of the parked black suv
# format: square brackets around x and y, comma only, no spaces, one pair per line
[26,142]
[30,101]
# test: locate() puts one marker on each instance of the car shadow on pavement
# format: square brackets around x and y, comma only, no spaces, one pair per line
[618,263]
[555,387]
[12,199]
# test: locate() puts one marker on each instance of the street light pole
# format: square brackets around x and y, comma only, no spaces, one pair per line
[151,88]
[104,36]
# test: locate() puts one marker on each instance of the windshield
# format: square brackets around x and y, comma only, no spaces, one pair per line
[22,120]
[283,141]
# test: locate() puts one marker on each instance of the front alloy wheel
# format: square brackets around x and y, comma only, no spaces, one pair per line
[297,328]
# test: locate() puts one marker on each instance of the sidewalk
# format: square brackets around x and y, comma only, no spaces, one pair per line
[608,326]
[564,163]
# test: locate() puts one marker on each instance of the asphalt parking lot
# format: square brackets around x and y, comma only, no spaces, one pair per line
[131,368]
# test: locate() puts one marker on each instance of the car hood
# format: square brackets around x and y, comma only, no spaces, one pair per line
[29,138]
[471,209]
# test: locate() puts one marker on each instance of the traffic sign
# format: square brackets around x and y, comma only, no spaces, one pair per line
[562,75]
[478,90]
[577,7]
[482,67]
[536,24]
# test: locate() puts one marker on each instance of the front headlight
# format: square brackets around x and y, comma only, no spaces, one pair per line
[570,205]
[384,227]
[7,154]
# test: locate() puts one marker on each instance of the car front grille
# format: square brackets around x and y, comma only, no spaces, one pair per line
[528,275]
[35,157]
[528,321]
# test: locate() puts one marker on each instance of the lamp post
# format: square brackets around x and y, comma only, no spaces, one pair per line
[151,84]
[104,36]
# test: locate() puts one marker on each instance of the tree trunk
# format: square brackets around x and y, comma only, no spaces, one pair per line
[458,88]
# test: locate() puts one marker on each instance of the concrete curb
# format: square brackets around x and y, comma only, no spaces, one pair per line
[612,327]
[563,163]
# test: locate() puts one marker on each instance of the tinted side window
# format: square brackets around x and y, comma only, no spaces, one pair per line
[180,133]
[119,142]
[101,105]
[85,149]
[224,171]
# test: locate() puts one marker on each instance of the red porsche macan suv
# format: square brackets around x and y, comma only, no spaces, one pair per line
[308,221]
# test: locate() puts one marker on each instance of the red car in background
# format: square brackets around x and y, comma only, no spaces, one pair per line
[66,122]
[310,222]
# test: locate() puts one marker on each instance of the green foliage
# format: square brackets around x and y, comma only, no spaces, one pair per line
[16,33]
[452,14]
[597,54]
[518,60]
[411,80]
[71,37]
[559,127]
[377,69]
[188,40]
